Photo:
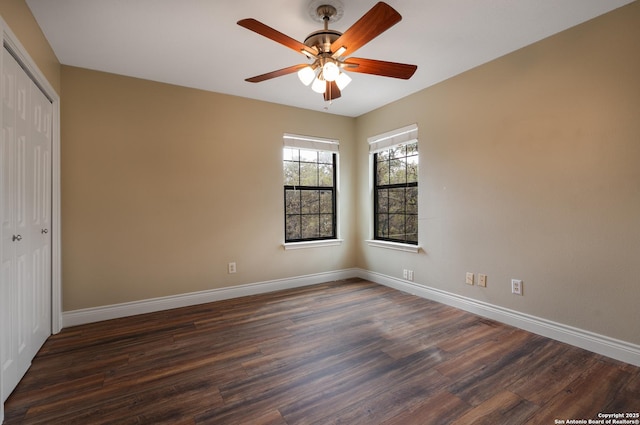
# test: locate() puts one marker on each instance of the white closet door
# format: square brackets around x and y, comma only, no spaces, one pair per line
[25,259]
[39,218]
[13,257]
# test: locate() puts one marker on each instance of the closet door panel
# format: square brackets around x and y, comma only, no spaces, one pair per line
[8,264]
[23,184]
[40,218]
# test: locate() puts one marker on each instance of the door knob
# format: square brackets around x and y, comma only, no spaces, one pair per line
[44,231]
[17,238]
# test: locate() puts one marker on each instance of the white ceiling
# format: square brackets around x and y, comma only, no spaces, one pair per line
[197,43]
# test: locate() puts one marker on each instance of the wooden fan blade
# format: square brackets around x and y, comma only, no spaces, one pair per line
[380,18]
[275,35]
[376,67]
[332,91]
[274,74]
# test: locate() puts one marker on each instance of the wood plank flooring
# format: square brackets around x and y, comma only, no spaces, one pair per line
[349,352]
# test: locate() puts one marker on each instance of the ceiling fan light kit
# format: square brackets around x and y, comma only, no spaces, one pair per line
[327,48]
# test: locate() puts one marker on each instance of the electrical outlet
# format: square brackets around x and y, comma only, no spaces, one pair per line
[231,267]
[482,280]
[405,274]
[469,279]
[516,286]
[410,275]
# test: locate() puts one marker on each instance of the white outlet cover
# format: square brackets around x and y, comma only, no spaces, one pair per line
[516,286]
[469,279]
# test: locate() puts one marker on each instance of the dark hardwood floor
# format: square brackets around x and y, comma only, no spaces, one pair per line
[349,352]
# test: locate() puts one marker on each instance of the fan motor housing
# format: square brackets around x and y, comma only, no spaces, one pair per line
[322,39]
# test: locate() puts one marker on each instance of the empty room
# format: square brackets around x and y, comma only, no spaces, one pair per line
[320,212]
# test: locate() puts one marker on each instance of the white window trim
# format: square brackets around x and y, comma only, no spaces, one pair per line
[396,246]
[408,134]
[316,144]
[311,244]
[310,142]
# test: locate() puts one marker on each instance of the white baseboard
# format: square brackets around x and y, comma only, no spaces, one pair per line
[114,311]
[600,344]
[610,347]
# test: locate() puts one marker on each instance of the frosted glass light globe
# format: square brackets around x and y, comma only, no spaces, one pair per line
[319,86]
[330,71]
[306,75]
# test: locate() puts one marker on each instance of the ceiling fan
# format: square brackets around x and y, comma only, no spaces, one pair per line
[329,49]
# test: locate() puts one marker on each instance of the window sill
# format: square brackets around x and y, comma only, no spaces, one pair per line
[312,244]
[394,245]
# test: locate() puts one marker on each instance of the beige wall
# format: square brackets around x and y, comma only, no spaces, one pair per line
[18,17]
[530,169]
[162,186]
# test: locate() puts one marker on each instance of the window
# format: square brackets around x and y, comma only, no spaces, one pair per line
[395,186]
[309,188]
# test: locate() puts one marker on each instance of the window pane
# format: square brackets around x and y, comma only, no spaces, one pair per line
[396,200]
[326,225]
[412,149]
[293,227]
[412,200]
[412,169]
[310,202]
[382,172]
[308,174]
[397,171]
[291,154]
[382,226]
[396,226]
[292,202]
[383,201]
[325,176]
[412,228]
[397,152]
[325,157]
[291,173]
[308,156]
[326,202]
[310,226]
